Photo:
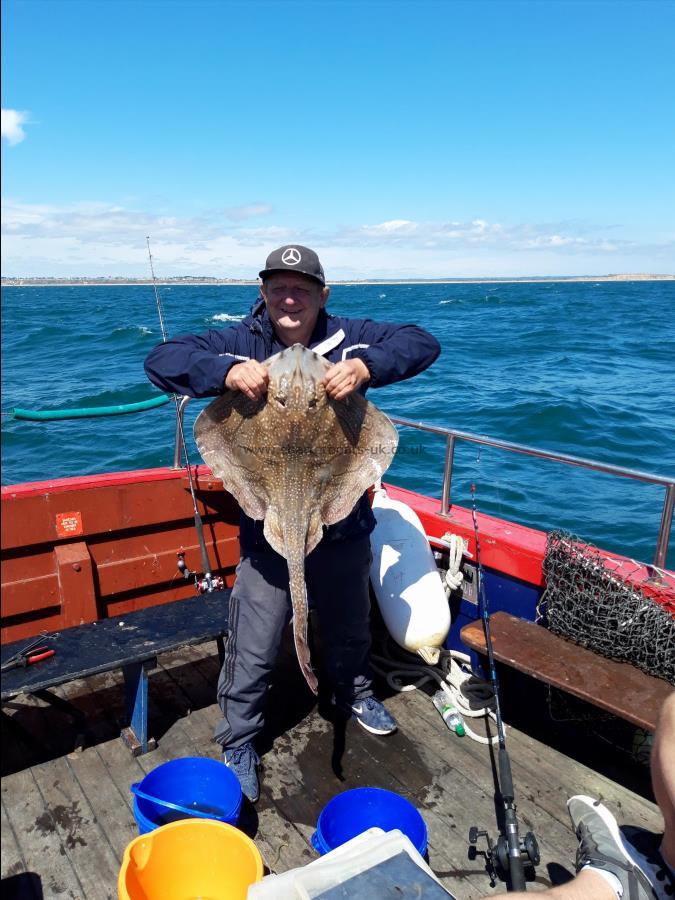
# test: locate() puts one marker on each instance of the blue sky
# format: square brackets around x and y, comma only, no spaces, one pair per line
[397,138]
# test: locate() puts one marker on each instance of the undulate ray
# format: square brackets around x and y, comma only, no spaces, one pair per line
[296,459]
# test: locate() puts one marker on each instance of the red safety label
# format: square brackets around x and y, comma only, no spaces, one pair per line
[69,524]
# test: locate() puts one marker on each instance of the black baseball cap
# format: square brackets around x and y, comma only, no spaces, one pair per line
[294,258]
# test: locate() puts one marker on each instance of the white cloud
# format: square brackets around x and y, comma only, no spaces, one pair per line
[478,233]
[248,211]
[109,239]
[12,122]
[394,226]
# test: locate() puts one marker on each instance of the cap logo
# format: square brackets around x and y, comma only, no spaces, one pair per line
[291,257]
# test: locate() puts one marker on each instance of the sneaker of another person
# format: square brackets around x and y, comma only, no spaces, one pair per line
[371,715]
[244,762]
[602,847]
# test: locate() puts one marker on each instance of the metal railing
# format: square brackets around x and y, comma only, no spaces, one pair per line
[452,436]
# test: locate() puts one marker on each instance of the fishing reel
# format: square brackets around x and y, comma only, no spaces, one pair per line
[497,854]
[202,585]
[209,583]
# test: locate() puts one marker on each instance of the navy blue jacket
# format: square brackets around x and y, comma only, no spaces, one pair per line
[196,365]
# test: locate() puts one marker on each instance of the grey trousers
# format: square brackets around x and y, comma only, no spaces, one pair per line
[336,574]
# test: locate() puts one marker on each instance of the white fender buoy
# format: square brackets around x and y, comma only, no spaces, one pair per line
[406,581]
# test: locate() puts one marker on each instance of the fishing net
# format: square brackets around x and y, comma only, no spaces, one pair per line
[589,601]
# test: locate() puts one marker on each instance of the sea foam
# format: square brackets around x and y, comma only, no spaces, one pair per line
[226,317]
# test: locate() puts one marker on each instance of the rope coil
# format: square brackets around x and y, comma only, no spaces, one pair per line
[472,697]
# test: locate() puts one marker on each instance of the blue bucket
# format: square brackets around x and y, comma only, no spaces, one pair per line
[191,781]
[353,812]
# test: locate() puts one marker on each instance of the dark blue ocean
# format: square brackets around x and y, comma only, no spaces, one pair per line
[583,368]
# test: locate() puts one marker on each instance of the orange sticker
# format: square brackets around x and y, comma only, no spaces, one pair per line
[69,524]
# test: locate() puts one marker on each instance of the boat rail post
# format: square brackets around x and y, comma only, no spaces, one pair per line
[664,529]
[180,412]
[447,475]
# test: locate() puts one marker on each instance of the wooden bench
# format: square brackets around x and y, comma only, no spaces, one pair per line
[617,687]
[131,642]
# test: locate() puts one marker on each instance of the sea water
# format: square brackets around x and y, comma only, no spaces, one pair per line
[584,368]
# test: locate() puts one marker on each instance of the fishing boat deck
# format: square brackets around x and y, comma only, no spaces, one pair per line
[66,806]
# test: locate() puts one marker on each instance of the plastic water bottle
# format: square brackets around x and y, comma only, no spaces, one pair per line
[451,716]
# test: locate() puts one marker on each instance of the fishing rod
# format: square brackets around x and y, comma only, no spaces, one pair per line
[509,854]
[209,582]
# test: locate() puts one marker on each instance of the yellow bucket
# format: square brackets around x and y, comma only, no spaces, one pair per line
[192,859]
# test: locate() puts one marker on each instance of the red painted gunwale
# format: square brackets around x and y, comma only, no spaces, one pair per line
[127,528]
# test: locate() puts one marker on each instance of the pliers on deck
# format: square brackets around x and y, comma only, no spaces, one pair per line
[31,653]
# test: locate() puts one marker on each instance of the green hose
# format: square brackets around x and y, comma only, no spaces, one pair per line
[40,415]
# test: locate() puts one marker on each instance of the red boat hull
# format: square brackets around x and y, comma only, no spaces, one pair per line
[76,550]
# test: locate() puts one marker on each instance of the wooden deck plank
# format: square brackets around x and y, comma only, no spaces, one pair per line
[189,685]
[99,704]
[18,883]
[552,774]
[545,779]
[548,778]
[123,769]
[84,841]
[192,735]
[40,844]
[387,762]
[37,732]
[106,798]
[12,861]
[448,778]
[454,793]
[552,777]
[174,743]
[369,761]
[279,841]
[464,788]
[306,769]
[282,844]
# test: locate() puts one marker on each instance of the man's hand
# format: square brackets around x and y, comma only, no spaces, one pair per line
[250,377]
[345,377]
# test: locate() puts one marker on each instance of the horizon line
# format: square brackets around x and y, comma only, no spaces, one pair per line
[121,280]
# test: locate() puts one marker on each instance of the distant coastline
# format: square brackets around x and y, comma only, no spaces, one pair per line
[9,281]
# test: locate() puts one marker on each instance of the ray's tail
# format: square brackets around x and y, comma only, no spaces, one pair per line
[296,577]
